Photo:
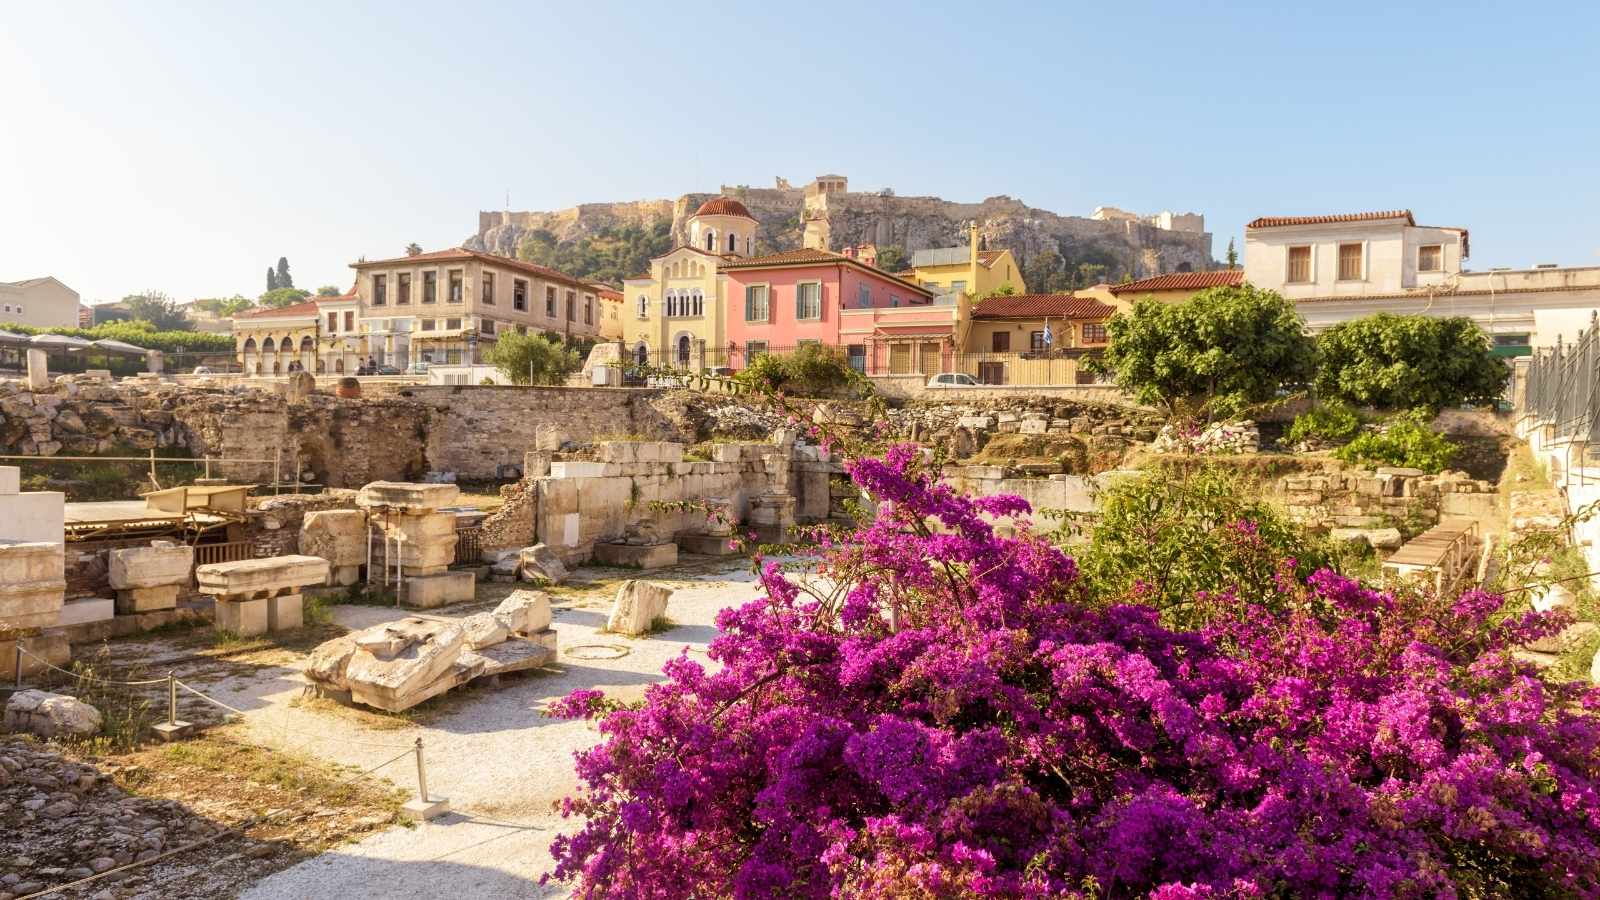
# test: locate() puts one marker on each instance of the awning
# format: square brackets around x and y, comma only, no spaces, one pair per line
[119,347]
[7,337]
[59,342]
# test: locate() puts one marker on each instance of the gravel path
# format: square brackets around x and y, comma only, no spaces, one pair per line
[491,751]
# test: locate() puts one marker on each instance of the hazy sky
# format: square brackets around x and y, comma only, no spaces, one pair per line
[185,148]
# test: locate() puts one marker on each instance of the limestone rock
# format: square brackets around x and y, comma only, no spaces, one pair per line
[541,565]
[524,612]
[407,496]
[50,715]
[337,535]
[638,604]
[163,563]
[328,661]
[484,629]
[400,681]
[1376,538]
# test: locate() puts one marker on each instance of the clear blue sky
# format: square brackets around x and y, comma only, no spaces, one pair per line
[185,149]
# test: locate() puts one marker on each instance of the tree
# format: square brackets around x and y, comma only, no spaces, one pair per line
[226,307]
[1233,256]
[1216,354]
[158,309]
[282,297]
[329,290]
[413,249]
[284,279]
[532,358]
[272,279]
[1402,362]
[892,259]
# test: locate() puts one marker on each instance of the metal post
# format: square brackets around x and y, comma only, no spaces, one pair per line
[208,468]
[172,700]
[422,775]
[153,480]
[277,470]
[16,654]
[369,553]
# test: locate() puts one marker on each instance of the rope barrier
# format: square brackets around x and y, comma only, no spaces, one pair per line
[83,677]
[234,709]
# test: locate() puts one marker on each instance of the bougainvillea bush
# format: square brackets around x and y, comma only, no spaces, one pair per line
[951,718]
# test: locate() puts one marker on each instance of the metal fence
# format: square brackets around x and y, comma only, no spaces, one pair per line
[228,551]
[1561,390]
[925,358]
[469,545]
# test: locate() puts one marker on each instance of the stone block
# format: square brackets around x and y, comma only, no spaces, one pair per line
[50,715]
[637,605]
[337,535]
[577,469]
[536,463]
[1478,506]
[407,496]
[87,609]
[669,452]
[726,453]
[1376,538]
[343,576]
[524,612]
[285,612]
[706,544]
[1033,426]
[246,618]
[38,370]
[162,564]
[262,577]
[32,516]
[326,664]
[541,564]
[32,584]
[10,479]
[411,675]
[146,599]
[638,556]
[433,591]
[1400,471]
[484,629]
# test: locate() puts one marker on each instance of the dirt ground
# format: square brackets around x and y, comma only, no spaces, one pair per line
[490,750]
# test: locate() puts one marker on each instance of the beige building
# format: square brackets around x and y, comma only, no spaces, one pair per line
[269,341]
[40,302]
[1174,287]
[1035,339]
[1341,267]
[610,306]
[449,305]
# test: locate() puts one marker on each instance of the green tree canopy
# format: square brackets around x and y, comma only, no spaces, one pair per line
[272,279]
[413,249]
[226,307]
[532,358]
[1402,362]
[892,259]
[282,297]
[328,290]
[1216,354]
[283,279]
[141,334]
[610,254]
[158,309]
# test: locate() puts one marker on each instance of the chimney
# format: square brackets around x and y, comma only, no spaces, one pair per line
[972,259]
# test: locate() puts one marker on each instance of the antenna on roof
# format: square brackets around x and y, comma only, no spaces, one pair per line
[508,200]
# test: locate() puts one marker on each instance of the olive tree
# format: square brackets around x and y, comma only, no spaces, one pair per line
[1405,362]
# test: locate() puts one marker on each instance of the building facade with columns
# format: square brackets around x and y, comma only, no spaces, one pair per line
[675,315]
[268,341]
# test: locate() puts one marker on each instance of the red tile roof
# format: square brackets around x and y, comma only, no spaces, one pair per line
[723,206]
[462,254]
[1038,306]
[1182,281]
[1281,221]
[307,308]
[987,257]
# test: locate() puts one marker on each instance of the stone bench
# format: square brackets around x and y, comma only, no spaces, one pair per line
[255,596]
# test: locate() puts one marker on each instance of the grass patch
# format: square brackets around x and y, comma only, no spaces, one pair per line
[307,778]
[376,719]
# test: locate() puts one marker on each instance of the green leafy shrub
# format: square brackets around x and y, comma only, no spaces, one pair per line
[141,334]
[1395,362]
[812,370]
[1405,440]
[532,358]
[1330,422]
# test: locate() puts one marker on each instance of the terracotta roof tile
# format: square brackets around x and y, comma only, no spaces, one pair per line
[723,206]
[1037,306]
[462,254]
[1281,221]
[306,308]
[1182,281]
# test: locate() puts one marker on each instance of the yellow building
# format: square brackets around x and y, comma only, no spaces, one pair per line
[609,310]
[1034,339]
[674,315]
[1174,287]
[955,270]
[268,341]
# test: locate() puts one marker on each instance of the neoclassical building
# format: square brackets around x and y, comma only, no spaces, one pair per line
[676,313]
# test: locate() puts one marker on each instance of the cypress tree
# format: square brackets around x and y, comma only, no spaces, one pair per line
[272,279]
[284,281]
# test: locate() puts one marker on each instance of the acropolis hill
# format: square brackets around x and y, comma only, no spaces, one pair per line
[825,214]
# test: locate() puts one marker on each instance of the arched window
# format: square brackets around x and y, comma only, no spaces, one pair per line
[699,303]
[250,345]
[306,346]
[338,367]
[644,306]
[711,240]
[733,246]
[683,350]
[268,346]
[749,246]
[641,354]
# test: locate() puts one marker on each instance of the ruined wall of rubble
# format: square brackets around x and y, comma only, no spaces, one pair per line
[1386,495]
[273,527]
[511,524]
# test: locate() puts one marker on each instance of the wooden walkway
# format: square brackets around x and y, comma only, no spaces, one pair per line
[1444,556]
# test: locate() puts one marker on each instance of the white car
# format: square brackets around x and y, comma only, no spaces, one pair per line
[952,380]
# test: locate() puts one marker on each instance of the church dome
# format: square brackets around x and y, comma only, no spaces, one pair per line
[723,206]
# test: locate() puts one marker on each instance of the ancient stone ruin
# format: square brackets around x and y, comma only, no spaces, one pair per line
[419,540]
[255,596]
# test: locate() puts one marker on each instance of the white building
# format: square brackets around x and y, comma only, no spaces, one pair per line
[40,302]
[1341,267]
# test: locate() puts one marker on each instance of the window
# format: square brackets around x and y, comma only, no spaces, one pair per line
[1430,258]
[1299,265]
[452,324]
[588,310]
[711,241]
[1094,332]
[488,289]
[1036,340]
[1000,342]
[699,302]
[456,285]
[733,245]
[549,302]
[683,350]
[893,301]
[864,296]
[428,324]
[430,287]
[333,320]
[519,294]
[350,320]
[572,306]
[402,294]
[958,287]
[808,300]
[857,354]
[380,286]
[753,349]
[644,307]
[1349,262]
[755,304]
[486,326]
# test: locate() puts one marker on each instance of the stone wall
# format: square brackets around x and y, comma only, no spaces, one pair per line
[916,386]
[1388,494]
[273,528]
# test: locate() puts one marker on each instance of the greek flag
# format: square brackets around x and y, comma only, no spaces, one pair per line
[1049,337]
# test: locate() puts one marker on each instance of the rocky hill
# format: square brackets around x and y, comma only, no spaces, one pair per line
[1056,251]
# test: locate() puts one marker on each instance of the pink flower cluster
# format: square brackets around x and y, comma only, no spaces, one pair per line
[957,721]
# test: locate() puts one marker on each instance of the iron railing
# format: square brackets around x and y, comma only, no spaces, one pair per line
[1057,366]
[228,551]
[1563,386]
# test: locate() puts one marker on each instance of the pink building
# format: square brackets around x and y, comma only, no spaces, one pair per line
[778,302]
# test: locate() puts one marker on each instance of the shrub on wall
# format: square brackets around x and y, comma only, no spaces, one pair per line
[811,370]
[1333,423]
[141,334]
[1404,440]
[532,358]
